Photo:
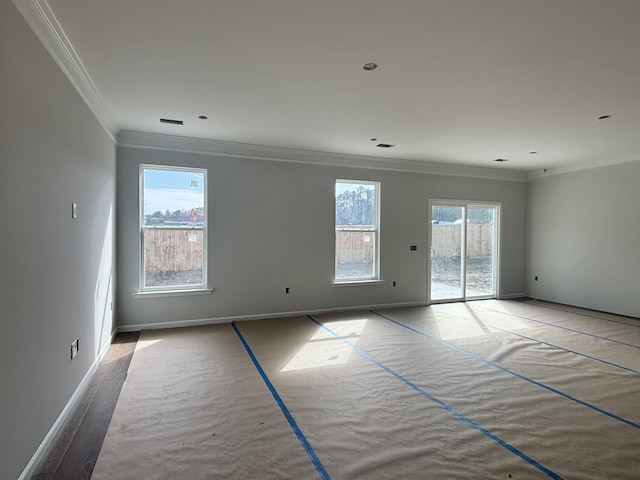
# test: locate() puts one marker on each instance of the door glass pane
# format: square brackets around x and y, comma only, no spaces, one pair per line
[480,251]
[446,252]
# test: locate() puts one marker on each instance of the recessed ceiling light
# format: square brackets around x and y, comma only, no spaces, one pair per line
[202,117]
[374,139]
[532,153]
[370,66]
[172,121]
[501,160]
[604,117]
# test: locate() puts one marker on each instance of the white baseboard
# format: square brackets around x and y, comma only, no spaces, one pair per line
[508,296]
[261,316]
[47,443]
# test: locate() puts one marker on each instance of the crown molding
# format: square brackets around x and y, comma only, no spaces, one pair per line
[42,20]
[155,141]
[540,173]
[44,23]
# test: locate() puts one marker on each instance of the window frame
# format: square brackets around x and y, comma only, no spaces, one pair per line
[202,287]
[375,232]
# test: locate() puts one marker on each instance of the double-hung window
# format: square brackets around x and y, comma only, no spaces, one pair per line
[173,228]
[357,232]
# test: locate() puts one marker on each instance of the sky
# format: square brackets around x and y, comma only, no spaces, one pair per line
[342,187]
[172,190]
[175,189]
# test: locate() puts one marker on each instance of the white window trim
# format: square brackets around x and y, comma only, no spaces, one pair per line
[356,283]
[375,279]
[176,293]
[164,290]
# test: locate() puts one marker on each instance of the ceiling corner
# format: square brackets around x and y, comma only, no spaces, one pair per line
[44,23]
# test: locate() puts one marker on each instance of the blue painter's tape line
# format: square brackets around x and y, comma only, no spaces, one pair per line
[590,357]
[511,372]
[285,411]
[440,403]
[561,327]
[583,314]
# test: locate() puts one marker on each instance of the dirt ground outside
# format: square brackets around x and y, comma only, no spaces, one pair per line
[479,272]
[445,271]
[173,278]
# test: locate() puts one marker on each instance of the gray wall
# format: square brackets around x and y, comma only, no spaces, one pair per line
[584,238]
[271,226]
[56,272]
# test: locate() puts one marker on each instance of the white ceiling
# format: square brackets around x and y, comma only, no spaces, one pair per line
[459,81]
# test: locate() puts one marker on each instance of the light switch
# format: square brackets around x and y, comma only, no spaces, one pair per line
[74,210]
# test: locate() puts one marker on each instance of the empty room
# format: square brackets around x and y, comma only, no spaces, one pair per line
[338,239]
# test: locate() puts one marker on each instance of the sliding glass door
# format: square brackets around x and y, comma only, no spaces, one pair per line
[463,250]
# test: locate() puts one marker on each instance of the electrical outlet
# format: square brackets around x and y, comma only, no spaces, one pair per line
[74,348]
[286,289]
[394,283]
[535,278]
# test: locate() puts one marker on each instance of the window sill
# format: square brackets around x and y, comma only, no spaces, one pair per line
[172,293]
[356,283]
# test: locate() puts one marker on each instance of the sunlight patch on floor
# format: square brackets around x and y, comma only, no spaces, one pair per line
[142,344]
[453,328]
[324,350]
[462,321]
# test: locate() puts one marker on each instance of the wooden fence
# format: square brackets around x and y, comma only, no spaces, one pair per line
[360,246]
[355,246]
[179,250]
[173,250]
[446,240]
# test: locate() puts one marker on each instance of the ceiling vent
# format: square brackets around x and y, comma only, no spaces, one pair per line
[385,145]
[171,121]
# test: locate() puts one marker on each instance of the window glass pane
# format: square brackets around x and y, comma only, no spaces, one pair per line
[173,197]
[173,257]
[356,205]
[173,228]
[355,254]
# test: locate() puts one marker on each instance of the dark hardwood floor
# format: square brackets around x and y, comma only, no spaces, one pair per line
[76,448]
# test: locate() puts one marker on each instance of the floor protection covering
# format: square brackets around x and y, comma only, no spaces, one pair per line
[477,390]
